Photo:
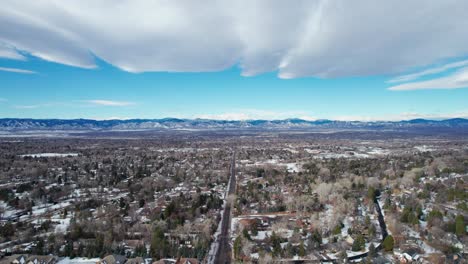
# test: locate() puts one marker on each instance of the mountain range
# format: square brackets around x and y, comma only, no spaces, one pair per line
[17,124]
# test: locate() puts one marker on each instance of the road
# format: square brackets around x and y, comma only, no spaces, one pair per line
[223,254]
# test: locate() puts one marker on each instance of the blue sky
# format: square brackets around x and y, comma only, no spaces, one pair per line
[154,74]
[58,91]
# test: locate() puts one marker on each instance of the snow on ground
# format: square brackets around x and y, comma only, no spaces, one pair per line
[347,155]
[312,151]
[79,261]
[424,148]
[292,167]
[291,149]
[253,216]
[327,215]
[262,235]
[41,209]
[234,224]
[412,233]
[381,204]
[49,155]
[350,253]
[346,225]
[8,211]
[215,244]
[333,155]
[364,152]
[427,249]
[285,233]
[378,151]
[254,256]
[62,225]
[359,155]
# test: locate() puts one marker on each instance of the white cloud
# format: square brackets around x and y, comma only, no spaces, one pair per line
[108,103]
[255,114]
[456,80]
[323,38]
[431,71]
[108,118]
[34,106]
[226,116]
[28,106]
[10,53]
[82,103]
[15,70]
[403,116]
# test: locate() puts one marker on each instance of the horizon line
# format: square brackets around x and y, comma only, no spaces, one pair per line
[237,120]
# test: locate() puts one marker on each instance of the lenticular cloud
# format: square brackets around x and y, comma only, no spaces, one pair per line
[331,38]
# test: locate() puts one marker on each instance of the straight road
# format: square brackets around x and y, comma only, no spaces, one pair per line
[223,255]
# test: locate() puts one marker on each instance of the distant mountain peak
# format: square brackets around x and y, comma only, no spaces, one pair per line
[8,124]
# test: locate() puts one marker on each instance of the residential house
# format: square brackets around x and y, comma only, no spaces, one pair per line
[114,259]
[187,261]
[137,260]
[165,261]
[14,259]
[42,259]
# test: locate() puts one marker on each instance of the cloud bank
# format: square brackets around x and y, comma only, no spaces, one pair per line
[402,116]
[323,38]
[252,114]
[255,114]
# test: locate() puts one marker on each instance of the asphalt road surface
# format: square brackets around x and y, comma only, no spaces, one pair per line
[223,255]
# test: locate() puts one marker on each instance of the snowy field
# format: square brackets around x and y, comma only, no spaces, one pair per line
[50,155]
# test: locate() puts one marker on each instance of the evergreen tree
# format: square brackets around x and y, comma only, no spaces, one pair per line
[460,228]
[237,247]
[359,243]
[372,251]
[245,233]
[159,244]
[275,244]
[388,243]
[301,250]
[39,249]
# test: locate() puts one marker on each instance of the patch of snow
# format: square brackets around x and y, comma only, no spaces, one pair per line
[262,235]
[63,225]
[67,260]
[424,148]
[49,155]
[254,256]
[378,151]
[292,167]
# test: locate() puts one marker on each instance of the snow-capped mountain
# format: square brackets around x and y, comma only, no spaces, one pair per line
[9,124]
